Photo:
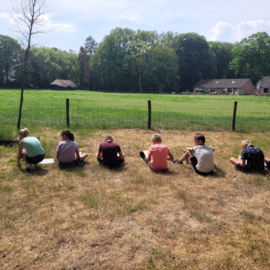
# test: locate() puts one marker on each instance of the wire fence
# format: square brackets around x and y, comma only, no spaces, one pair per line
[192,114]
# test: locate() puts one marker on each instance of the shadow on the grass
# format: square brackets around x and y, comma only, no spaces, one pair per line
[218,173]
[37,171]
[121,167]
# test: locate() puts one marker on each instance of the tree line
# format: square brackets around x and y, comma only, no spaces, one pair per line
[137,61]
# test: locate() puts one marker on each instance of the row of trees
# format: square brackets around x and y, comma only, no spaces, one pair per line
[138,61]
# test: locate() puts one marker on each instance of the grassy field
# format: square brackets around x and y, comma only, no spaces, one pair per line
[131,218]
[96,110]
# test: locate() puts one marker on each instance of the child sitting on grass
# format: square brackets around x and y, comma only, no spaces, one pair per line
[67,151]
[157,155]
[109,153]
[252,159]
[34,152]
[201,156]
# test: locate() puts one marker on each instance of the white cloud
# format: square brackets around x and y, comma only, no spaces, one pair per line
[4,15]
[48,23]
[60,27]
[224,31]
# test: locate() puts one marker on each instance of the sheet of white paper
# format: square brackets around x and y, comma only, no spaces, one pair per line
[240,158]
[47,161]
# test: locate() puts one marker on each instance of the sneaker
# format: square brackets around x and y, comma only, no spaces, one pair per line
[28,167]
[142,155]
[177,162]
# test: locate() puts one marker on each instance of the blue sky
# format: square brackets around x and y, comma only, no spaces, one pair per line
[74,20]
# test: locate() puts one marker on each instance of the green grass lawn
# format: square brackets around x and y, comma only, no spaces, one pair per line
[95,110]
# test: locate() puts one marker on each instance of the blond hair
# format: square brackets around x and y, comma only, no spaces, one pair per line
[156,137]
[245,142]
[108,138]
[24,132]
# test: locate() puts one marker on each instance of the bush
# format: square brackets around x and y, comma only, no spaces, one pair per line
[201,91]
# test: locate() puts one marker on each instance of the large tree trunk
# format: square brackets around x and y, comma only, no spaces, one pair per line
[6,75]
[140,82]
[93,83]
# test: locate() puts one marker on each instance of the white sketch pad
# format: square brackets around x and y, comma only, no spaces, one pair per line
[47,161]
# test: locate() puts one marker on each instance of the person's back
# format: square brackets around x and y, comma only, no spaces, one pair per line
[67,149]
[255,159]
[109,151]
[33,146]
[205,158]
[159,153]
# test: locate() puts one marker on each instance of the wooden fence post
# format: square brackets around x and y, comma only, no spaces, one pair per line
[234,115]
[67,111]
[149,114]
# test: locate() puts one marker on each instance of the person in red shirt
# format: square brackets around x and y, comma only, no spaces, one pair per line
[109,153]
[157,155]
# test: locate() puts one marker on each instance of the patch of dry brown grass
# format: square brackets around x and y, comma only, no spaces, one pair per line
[131,218]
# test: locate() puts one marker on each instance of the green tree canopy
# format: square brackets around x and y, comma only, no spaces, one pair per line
[195,61]
[10,57]
[162,66]
[252,57]
[222,52]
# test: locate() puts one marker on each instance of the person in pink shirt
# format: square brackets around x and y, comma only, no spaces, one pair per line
[157,155]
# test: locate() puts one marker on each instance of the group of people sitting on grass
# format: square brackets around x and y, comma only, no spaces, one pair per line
[110,155]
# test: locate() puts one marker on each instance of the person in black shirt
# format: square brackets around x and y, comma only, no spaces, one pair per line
[251,160]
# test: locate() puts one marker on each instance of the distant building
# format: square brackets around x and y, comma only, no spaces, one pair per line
[226,86]
[63,85]
[263,86]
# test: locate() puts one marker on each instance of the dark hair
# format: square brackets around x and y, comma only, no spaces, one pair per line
[200,137]
[68,134]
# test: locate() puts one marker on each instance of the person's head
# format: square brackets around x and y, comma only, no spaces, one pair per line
[67,135]
[245,144]
[23,133]
[108,138]
[199,139]
[156,138]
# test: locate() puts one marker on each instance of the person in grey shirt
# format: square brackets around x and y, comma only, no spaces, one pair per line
[201,156]
[67,151]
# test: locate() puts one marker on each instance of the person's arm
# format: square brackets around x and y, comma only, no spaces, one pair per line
[99,155]
[121,155]
[188,149]
[170,157]
[243,158]
[57,155]
[148,159]
[19,157]
[77,154]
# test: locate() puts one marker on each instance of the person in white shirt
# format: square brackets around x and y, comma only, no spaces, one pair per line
[201,156]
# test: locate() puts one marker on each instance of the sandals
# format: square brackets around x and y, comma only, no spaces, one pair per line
[176,162]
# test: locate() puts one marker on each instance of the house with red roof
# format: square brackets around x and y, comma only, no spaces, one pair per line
[263,86]
[226,86]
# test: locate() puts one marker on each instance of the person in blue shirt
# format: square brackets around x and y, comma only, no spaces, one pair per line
[251,160]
